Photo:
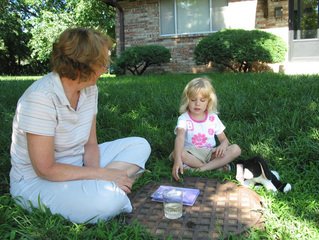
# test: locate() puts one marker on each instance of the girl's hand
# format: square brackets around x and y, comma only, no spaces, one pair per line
[177,167]
[220,150]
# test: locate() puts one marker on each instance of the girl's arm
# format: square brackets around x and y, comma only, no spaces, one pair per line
[91,150]
[41,152]
[178,149]
[223,144]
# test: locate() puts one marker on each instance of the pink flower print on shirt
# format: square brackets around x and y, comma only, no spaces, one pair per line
[211,131]
[190,126]
[199,140]
[211,118]
[208,145]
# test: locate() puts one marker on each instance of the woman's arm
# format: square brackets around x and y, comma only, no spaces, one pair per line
[41,152]
[91,149]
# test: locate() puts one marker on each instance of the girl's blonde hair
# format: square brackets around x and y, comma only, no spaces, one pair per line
[197,86]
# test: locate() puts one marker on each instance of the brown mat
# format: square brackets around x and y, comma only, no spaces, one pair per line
[221,209]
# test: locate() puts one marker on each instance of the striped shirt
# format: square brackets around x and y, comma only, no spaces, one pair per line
[45,110]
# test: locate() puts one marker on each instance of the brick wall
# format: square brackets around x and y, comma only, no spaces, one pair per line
[141,27]
[265,14]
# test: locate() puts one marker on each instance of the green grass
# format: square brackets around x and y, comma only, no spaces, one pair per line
[272,115]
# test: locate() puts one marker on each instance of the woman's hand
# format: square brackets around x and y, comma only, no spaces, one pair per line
[120,178]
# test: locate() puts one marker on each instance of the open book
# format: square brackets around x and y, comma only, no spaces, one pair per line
[189,194]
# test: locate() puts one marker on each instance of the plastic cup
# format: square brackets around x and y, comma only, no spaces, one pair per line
[173,203]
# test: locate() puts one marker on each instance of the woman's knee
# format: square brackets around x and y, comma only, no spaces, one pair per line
[147,145]
[98,209]
[112,205]
[107,202]
[144,144]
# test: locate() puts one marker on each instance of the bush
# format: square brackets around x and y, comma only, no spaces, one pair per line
[32,67]
[138,58]
[238,49]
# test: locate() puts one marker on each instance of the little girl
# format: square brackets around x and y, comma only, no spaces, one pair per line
[197,126]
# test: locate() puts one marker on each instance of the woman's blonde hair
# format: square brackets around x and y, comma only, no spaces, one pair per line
[78,50]
[197,86]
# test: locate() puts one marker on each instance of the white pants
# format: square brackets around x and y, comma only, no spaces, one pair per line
[85,200]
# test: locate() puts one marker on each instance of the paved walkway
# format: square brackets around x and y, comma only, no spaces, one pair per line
[222,209]
[301,67]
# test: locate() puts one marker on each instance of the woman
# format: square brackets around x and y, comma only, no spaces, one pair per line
[54,152]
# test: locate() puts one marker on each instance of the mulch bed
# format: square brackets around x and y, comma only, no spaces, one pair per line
[222,209]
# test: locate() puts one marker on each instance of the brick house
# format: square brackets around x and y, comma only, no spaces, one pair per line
[180,24]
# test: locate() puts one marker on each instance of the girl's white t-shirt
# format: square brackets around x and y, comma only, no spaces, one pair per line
[200,134]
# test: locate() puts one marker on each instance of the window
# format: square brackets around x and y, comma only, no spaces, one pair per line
[305,19]
[191,16]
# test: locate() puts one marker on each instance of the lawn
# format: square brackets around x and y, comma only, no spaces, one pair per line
[275,116]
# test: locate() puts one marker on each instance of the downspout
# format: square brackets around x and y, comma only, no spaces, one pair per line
[115,4]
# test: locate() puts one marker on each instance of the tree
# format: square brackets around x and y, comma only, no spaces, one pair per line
[29,27]
[13,37]
[239,49]
[138,58]
[52,21]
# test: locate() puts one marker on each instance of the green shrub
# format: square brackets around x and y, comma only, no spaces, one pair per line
[138,58]
[238,49]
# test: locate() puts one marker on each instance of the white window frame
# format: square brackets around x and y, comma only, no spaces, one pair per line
[176,23]
[298,7]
